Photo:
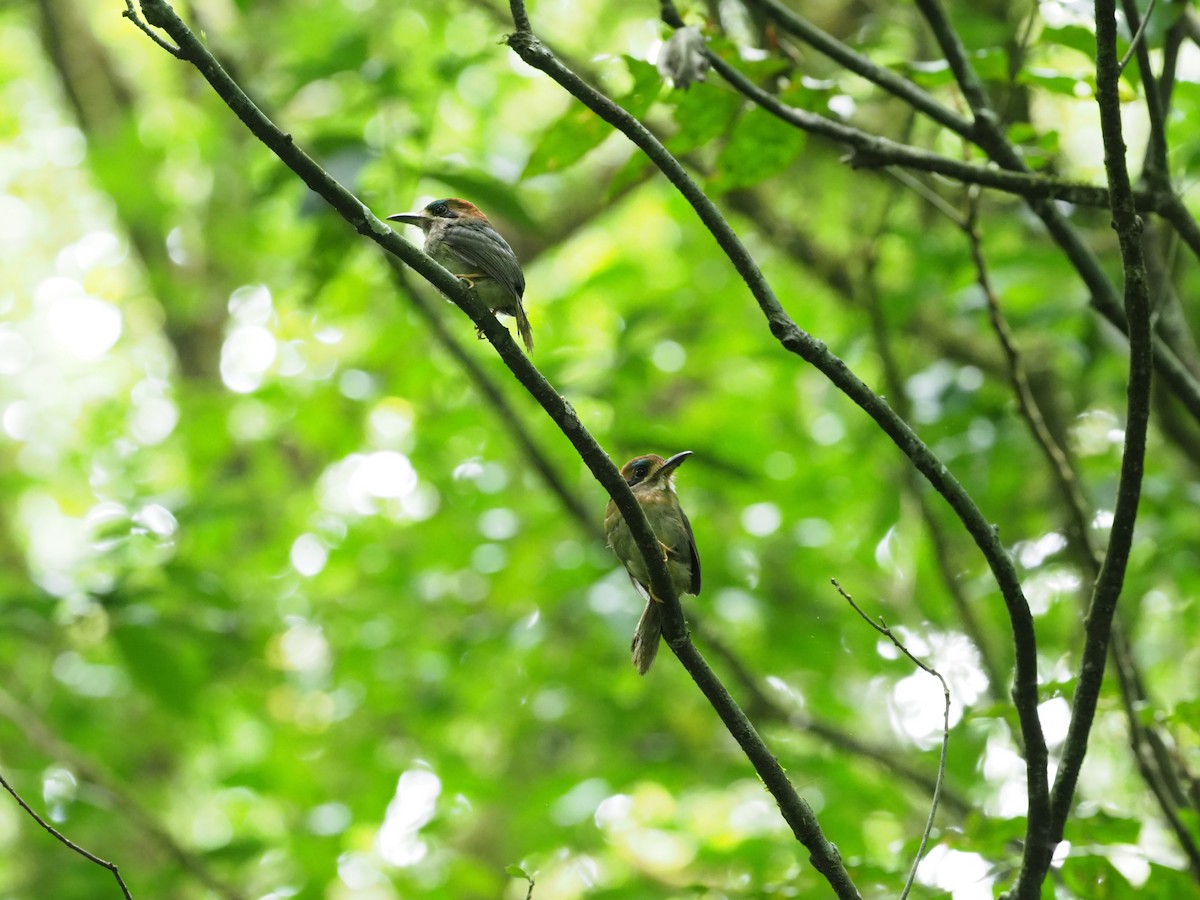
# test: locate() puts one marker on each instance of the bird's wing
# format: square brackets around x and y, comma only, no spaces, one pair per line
[687,526]
[643,591]
[488,252]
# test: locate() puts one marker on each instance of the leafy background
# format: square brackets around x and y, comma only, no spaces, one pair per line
[286,610]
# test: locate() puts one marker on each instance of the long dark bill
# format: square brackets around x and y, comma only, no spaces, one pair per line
[672,464]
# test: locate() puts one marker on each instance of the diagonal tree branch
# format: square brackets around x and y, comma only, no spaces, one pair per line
[761,705]
[62,838]
[986,132]
[49,743]
[822,41]
[797,341]
[824,856]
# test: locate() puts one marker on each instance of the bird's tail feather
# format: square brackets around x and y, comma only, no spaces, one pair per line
[523,328]
[644,646]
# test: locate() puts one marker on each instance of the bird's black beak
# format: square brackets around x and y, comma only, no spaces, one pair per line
[672,464]
[412,218]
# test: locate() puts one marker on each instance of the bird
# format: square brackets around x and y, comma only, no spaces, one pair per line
[652,480]
[460,238]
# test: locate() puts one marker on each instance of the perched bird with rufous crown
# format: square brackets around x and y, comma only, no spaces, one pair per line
[652,480]
[460,238]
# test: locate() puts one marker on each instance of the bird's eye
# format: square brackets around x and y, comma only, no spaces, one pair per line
[440,209]
[641,469]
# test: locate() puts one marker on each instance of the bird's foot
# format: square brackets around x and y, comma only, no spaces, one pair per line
[666,551]
[468,280]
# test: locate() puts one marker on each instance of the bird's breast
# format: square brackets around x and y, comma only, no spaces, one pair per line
[662,509]
[442,251]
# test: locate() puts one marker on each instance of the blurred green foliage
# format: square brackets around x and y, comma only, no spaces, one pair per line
[287,613]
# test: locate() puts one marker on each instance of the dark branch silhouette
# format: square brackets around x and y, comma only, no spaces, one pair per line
[62,838]
[796,812]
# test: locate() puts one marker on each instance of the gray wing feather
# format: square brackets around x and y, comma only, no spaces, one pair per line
[687,526]
[490,254]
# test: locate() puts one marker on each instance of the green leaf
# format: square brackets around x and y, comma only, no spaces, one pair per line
[761,146]
[1075,37]
[169,670]
[569,139]
[1094,877]
[647,85]
[1077,87]
[702,113]
[579,131]
[635,169]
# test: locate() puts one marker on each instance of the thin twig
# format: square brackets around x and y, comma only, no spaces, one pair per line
[1156,767]
[1154,170]
[40,735]
[763,705]
[882,627]
[1137,37]
[872,151]
[1031,411]
[132,15]
[62,838]
[986,132]
[934,199]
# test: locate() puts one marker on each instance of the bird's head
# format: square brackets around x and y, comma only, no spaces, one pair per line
[652,469]
[447,210]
